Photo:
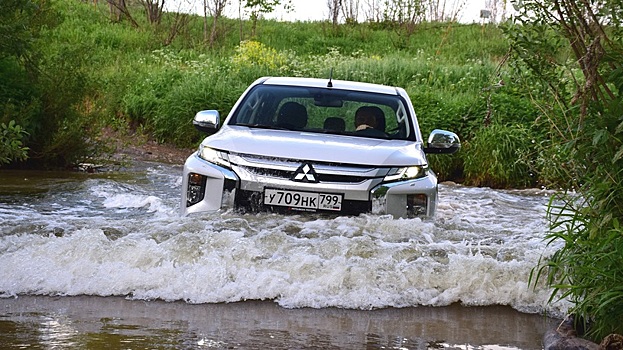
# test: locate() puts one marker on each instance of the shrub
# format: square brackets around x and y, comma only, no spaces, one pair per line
[175,87]
[589,268]
[11,145]
[498,156]
[173,118]
[144,97]
[577,56]
[254,53]
[62,133]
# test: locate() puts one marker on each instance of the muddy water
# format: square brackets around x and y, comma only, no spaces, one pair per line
[90,260]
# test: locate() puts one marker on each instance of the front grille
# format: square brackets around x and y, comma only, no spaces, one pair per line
[280,174]
[341,178]
[287,174]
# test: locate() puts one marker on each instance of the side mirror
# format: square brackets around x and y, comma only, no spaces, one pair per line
[442,142]
[207,121]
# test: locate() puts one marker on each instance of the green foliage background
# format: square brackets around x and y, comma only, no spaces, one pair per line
[92,73]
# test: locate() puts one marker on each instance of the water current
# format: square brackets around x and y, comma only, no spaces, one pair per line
[119,235]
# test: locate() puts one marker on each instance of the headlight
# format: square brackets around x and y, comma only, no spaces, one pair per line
[214,156]
[406,173]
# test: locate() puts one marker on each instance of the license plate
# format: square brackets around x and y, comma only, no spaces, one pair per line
[303,200]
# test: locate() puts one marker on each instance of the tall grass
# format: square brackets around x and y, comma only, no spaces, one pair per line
[589,268]
[499,155]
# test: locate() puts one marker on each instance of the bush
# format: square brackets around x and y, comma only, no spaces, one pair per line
[255,54]
[11,145]
[63,132]
[577,55]
[176,86]
[173,119]
[589,267]
[498,156]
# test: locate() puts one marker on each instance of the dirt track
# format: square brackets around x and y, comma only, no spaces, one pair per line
[135,147]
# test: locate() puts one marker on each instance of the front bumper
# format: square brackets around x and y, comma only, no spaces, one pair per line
[209,187]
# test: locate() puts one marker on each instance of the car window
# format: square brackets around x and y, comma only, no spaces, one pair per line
[325,111]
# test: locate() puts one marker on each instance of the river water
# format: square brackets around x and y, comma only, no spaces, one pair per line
[90,260]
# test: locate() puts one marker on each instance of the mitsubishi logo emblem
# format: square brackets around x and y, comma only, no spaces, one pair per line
[305,173]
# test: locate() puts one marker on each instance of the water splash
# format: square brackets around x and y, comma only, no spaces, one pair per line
[112,236]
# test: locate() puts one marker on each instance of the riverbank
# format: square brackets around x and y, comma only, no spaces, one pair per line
[133,146]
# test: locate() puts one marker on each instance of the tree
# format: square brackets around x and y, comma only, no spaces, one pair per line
[21,22]
[214,8]
[179,25]
[119,10]
[373,11]
[41,87]
[335,6]
[153,9]
[259,7]
[350,10]
[498,10]
[404,12]
[180,20]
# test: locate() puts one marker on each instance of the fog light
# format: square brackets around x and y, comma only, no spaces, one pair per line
[417,205]
[196,188]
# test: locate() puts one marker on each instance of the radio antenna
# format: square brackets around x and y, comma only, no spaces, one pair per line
[330,84]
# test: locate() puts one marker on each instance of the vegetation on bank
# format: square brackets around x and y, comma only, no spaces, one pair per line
[575,49]
[536,102]
[92,73]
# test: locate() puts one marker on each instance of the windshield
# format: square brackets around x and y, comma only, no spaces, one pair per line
[325,110]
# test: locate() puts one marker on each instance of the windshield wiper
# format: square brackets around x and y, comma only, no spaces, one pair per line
[262,126]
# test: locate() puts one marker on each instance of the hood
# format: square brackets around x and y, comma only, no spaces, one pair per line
[317,146]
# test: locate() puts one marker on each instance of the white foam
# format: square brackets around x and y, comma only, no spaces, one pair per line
[473,253]
[133,201]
